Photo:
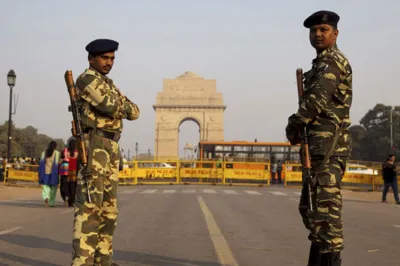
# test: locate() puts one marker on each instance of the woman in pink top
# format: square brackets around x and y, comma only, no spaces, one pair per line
[70,154]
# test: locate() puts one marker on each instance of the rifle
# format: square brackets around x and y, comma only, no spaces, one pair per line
[305,152]
[76,128]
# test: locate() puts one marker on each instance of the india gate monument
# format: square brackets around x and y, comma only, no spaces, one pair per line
[187,97]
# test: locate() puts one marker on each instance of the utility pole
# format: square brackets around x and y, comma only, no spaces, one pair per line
[136,149]
[391,126]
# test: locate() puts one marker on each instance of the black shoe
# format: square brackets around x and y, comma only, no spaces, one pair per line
[331,259]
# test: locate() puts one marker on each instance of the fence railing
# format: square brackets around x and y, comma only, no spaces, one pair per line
[210,172]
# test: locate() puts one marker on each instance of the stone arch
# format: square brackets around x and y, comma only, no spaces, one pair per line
[188,97]
[183,120]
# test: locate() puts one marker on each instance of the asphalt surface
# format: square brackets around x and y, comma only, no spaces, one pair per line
[199,225]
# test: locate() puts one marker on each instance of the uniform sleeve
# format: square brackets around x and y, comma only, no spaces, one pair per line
[94,91]
[318,94]
[132,111]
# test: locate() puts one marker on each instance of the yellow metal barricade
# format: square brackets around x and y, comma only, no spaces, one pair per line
[21,175]
[127,176]
[357,176]
[156,172]
[200,172]
[293,174]
[356,181]
[360,175]
[246,173]
[351,180]
[378,182]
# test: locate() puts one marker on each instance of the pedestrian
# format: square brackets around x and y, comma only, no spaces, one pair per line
[72,156]
[279,172]
[274,168]
[48,173]
[324,112]
[102,109]
[68,172]
[63,173]
[389,173]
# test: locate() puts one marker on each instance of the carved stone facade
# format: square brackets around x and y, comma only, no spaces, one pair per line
[188,97]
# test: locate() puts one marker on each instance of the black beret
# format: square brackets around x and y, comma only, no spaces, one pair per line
[101,46]
[322,17]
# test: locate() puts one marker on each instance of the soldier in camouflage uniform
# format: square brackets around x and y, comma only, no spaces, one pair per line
[325,114]
[102,107]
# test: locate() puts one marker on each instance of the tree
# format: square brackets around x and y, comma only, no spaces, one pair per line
[371,139]
[357,133]
[26,142]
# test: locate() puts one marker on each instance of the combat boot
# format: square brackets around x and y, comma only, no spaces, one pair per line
[331,259]
[314,258]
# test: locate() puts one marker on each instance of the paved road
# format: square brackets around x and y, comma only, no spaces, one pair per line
[200,225]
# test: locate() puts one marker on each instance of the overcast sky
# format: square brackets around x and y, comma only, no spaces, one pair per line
[252,48]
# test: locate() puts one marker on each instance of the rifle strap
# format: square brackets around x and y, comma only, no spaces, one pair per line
[331,150]
[91,146]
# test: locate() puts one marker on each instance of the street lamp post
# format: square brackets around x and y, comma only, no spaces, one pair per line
[136,150]
[391,126]
[11,78]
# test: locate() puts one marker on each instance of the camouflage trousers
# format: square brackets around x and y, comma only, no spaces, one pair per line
[95,222]
[325,222]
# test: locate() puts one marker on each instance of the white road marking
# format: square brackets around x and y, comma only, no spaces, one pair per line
[130,191]
[395,225]
[297,193]
[294,199]
[228,191]
[9,230]
[252,192]
[278,193]
[169,191]
[221,247]
[149,191]
[188,191]
[209,191]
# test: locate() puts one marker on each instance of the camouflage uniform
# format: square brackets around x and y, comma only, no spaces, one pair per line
[328,98]
[95,222]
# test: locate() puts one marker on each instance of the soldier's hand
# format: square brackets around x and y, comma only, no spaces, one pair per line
[293,135]
[294,139]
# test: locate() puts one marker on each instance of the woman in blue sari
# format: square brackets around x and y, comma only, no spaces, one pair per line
[48,173]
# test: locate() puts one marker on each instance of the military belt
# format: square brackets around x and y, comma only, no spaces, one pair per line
[115,136]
